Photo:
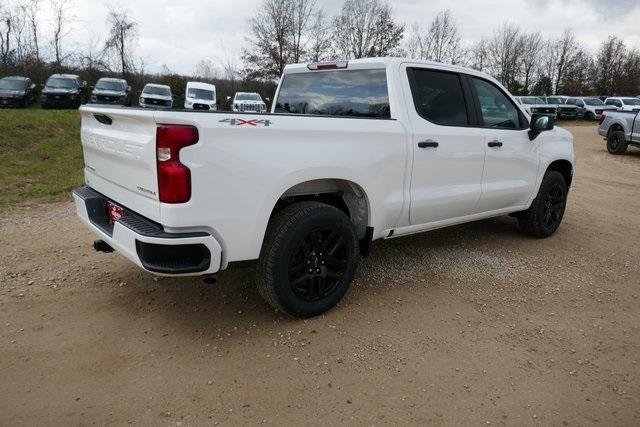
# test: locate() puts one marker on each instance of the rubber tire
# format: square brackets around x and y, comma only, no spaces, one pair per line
[620,149]
[589,116]
[530,221]
[285,229]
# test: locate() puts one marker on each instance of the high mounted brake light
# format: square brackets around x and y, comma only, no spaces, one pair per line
[174,178]
[328,65]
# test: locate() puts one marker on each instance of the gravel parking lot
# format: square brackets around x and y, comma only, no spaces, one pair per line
[475,324]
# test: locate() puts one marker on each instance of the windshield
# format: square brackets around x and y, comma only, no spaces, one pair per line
[248,97]
[631,101]
[555,100]
[593,101]
[61,83]
[205,94]
[157,90]
[532,101]
[11,84]
[110,85]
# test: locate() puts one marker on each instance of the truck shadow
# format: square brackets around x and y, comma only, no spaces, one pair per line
[233,301]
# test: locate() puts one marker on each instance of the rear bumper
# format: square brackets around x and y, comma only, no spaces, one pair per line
[145,242]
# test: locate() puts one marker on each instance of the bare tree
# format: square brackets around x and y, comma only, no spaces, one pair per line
[32,8]
[532,45]
[367,28]
[610,61]
[320,40]
[440,42]
[280,33]
[505,52]
[478,57]
[270,29]
[204,69]
[302,12]
[565,50]
[62,19]
[121,39]
[20,33]
[6,21]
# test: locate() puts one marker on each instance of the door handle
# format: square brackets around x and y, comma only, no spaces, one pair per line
[428,143]
[495,144]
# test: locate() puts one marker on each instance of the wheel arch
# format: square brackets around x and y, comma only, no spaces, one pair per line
[344,194]
[564,167]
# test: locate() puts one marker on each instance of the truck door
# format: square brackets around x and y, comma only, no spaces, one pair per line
[448,154]
[511,162]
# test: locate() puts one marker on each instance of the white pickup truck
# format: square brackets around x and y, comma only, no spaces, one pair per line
[351,152]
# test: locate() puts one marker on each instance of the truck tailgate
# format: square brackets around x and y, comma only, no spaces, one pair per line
[119,156]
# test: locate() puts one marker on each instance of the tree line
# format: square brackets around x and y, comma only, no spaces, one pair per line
[281,32]
[291,31]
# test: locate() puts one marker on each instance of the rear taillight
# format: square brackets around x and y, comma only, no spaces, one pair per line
[174,178]
[602,117]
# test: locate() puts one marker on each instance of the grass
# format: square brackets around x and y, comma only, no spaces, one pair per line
[40,154]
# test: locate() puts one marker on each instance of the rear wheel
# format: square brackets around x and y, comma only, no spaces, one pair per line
[616,142]
[545,214]
[308,259]
[589,116]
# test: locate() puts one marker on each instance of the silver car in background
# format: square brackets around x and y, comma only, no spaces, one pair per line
[589,107]
[565,111]
[536,105]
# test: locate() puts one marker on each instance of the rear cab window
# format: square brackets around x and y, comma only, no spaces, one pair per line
[337,93]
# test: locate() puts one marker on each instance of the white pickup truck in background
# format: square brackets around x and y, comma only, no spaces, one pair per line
[351,152]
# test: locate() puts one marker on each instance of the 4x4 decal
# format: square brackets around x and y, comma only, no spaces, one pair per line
[248,122]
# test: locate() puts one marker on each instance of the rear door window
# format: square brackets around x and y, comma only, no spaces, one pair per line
[342,93]
[438,97]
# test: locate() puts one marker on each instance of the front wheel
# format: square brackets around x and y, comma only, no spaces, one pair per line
[616,142]
[545,214]
[308,259]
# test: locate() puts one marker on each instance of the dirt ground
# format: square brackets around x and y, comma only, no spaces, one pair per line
[471,325]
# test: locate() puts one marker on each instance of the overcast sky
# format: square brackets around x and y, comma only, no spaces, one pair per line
[181,33]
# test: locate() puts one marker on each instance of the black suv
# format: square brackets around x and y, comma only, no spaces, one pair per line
[64,91]
[111,91]
[16,91]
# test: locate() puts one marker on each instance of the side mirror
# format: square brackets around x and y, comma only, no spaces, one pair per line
[128,88]
[267,99]
[228,98]
[540,123]
[84,83]
[92,87]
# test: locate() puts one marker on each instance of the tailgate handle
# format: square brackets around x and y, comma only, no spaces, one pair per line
[105,120]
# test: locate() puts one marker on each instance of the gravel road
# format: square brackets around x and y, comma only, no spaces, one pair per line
[471,325]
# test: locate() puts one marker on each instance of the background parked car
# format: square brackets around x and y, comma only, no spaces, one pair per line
[16,91]
[624,103]
[111,91]
[536,105]
[200,96]
[156,96]
[589,107]
[64,91]
[248,102]
[565,111]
